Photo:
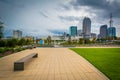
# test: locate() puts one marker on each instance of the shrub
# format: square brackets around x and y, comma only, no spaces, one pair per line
[2,43]
[2,50]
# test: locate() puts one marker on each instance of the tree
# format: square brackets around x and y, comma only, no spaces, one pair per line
[87,41]
[11,42]
[69,40]
[49,40]
[1,30]
[81,41]
[74,42]
[27,42]
[93,40]
[2,43]
[21,42]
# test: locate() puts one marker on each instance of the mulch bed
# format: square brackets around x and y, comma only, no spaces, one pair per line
[5,53]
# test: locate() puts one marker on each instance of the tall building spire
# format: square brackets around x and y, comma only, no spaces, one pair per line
[111,21]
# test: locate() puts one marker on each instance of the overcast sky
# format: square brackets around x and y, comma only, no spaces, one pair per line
[53,17]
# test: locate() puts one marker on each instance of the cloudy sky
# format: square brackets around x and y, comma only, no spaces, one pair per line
[53,17]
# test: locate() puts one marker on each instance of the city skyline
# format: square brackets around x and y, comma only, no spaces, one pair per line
[50,17]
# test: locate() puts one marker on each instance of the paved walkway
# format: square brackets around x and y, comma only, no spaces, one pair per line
[51,64]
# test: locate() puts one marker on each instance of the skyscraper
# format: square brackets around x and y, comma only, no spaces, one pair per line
[79,32]
[86,27]
[73,31]
[111,32]
[17,34]
[111,29]
[103,31]
[93,35]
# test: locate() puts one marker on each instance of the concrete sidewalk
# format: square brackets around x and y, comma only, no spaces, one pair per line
[51,64]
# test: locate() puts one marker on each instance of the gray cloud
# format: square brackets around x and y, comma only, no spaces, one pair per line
[100,9]
[69,18]
[34,14]
[65,6]
[107,6]
[44,14]
[7,1]
[14,3]
[93,3]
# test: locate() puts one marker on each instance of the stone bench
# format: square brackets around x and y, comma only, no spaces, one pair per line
[19,64]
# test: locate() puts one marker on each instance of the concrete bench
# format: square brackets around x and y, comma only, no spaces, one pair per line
[19,64]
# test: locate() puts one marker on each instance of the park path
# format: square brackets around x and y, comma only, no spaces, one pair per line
[51,64]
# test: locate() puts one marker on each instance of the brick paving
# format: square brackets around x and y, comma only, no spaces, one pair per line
[51,64]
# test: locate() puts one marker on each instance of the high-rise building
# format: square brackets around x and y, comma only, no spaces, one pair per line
[17,34]
[73,31]
[99,36]
[93,35]
[79,32]
[103,31]
[86,27]
[111,32]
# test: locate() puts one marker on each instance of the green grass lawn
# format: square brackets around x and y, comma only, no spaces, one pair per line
[107,60]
